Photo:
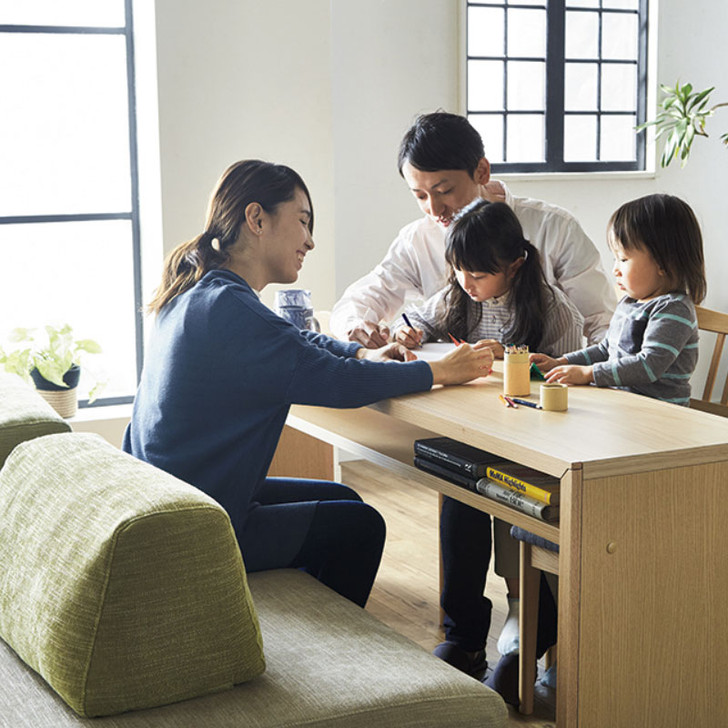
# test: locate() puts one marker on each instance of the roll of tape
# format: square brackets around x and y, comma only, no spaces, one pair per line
[554,397]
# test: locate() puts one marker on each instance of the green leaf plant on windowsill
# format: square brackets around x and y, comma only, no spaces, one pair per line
[52,361]
[682,117]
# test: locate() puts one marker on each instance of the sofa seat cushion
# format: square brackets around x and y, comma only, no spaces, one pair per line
[24,415]
[119,584]
[330,664]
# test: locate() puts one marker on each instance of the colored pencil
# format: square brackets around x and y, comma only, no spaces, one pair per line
[526,403]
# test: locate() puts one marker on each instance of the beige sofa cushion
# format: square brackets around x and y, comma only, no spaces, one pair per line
[122,586]
[24,415]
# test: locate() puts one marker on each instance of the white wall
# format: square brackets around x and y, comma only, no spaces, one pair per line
[391,60]
[330,87]
[239,80]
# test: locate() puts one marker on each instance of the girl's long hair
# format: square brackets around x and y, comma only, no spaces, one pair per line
[242,183]
[666,227]
[486,237]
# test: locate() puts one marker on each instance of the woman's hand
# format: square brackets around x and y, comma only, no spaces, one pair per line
[409,336]
[463,363]
[546,363]
[571,374]
[390,352]
[495,346]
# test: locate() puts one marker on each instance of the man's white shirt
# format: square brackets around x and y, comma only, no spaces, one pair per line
[414,268]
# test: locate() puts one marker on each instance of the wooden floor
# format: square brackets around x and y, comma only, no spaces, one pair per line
[406,592]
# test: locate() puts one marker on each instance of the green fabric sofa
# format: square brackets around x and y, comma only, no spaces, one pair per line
[123,595]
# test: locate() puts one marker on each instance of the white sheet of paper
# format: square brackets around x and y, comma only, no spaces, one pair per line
[432,351]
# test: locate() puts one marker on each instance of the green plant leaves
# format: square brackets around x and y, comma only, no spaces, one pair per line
[17,362]
[682,118]
[52,354]
[88,345]
[52,370]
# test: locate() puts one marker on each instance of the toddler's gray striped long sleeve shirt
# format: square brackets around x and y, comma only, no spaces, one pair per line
[651,348]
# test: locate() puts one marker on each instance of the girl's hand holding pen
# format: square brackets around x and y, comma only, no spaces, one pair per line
[462,364]
[410,337]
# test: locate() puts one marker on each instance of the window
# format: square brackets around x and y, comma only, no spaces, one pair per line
[69,213]
[558,85]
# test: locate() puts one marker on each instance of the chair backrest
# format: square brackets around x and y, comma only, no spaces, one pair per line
[717,323]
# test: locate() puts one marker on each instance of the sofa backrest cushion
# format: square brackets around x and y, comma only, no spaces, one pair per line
[24,415]
[119,584]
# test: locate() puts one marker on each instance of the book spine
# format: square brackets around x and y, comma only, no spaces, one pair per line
[521,486]
[453,462]
[442,472]
[523,503]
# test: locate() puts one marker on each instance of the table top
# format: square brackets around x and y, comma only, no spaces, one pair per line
[602,430]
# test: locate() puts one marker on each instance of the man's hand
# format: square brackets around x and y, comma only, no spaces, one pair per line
[388,352]
[370,335]
[571,374]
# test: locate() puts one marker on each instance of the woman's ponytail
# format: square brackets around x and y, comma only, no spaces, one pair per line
[185,266]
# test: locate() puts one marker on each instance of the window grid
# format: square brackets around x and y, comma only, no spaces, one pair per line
[556,63]
[133,214]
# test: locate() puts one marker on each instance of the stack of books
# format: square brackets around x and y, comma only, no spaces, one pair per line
[520,487]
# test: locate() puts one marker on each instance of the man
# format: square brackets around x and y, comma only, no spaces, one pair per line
[442,160]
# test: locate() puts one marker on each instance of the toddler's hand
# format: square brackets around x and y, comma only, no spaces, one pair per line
[544,362]
[570,374]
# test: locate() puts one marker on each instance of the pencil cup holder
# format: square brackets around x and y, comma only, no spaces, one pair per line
[516,375]
[554,397]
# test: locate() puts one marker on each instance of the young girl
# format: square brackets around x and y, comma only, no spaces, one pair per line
[497,294]
[497,290]
[651,347]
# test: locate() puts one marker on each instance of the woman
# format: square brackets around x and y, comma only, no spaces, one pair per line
[222,370]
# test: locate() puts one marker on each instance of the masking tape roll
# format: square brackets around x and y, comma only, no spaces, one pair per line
[554,397]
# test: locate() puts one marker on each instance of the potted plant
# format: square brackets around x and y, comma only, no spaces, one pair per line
[52,361]
[682,117]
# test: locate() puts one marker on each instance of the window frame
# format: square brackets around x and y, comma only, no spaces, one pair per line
[555,113]
[132,215]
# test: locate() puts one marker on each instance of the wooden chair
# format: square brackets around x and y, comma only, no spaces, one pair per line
[536,555]
[717,323]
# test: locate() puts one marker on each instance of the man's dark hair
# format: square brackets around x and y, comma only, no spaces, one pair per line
[441,141]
